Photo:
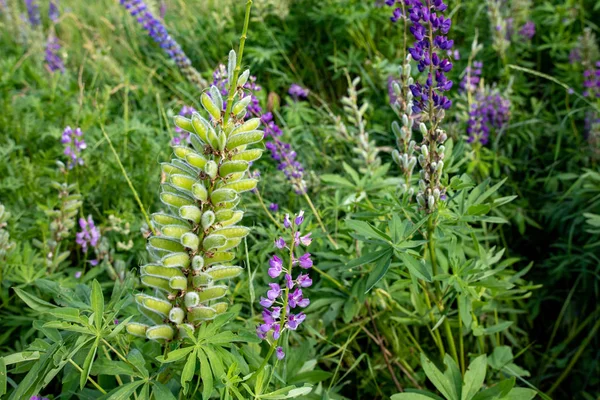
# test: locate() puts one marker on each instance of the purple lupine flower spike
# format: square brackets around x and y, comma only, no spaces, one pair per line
[274,207]
[89,234]
[528,30]
[489,111]
[282,299]
[298,92]
[54,62]
[53,12]
[591,81]
[472,77]
[33,12]
[74,145]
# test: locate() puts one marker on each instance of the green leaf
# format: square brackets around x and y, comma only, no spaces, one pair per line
[189,370]
[380,270]
[367,230]
[175,355]
[496,392]
[215,362]
[453,374]
[67,314]
[34,302]
[416,268]
[520,394]
[501,356]
[439,380]
[104,366]
[87,364]
[492,329]
[336,180]
[97,304]
[367,258]
[479,209]
[474,377]
[412,396]
[3,377]
[206,375]
[309,377]
[20,357]
[136,358]
[161,392]
[124,392]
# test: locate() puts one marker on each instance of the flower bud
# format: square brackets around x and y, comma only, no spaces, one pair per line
[176,315]
[211,169]
[208,218]
[430,202]
[191,299]
[197,263]
[423,129]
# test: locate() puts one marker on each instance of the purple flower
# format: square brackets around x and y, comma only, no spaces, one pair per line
[53,12]
[298,92]
[280,243]
[279,353]
[304,280]
[274,207]
[276,266]
[292,169]
[305,261]
[74,145]
[489,111]
[286,221]
[299,218]
[289,282]
[528,30]
[53,60]
[33,12]
[89,235]
[591,81]
[274,292]
[471,79]
[77,274]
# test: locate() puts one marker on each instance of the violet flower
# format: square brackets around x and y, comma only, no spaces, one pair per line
[274,207]
[53,12]
[74,145]
[470,81]
[298,92]
[591,81]
[89,234]
[33,12]
[54,62]
[279,306]
[528,30]
[489,111]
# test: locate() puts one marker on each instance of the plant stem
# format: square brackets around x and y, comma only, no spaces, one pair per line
[316,214]
[238,66]
[89,378]
[262,203]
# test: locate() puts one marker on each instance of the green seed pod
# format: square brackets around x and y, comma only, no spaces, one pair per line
[236,217]
[156,283]
[210,106]
[247,126]
[208,218]
[191,299]
[243,78]
[199,192]
[158,306]
[200,126]
[222,140]
[231,64]
[176,315]
[201,280]
[243,185]
[241,105]
[213,138]
[178,283]
[184,123]
[182,182]
[162,272]
[183,332]
[181,151]
[219,272]
[196,160]
[214,242]
[162,219]
[168,188]
[224,215]
[231,167]
[137,329]
[211,169]
[231,243]
[216,97]
[233,232]
[170,169]
[160,332]
[212,293]
[248,155]
[164,243]
[172,260]
[150,316]
[175,200]
[174,231]
[190,240]
[222,195]
[197,314]
[197,263]
[219,257]
[220,308]
[244,139]
[191,213]
[184,166]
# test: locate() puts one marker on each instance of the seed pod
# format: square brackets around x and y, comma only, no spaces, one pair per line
[174,231]
[190,240]
[236,217]
[158,306]
[182,182]
[214,242]
[201,280]
[161,272]
[248,155]
[174,200]
[160,332]
[149,315]
[220,308]
[199,192]
[184,123]
[247,126]
[233,232]
[431,202]
[170,169]
[197,263]
[181,151]
[176,315]
[191,213]
[244,139]
[196,160]
[210,106]
[215,96]
[242,186]
[219,257]
[219,272]
[201,127]
[423,129]
[201,313]
[241,105]
[396,156]
[223,215]
[213,138]
[172,260]
[178,283]
[208,218]
[243,78]
[161,242]
[231,243]
[136,329]
[191,299]
[156,283]
[221,195]
[211,169]
[231,167]
[231,65]
[162,219]
[212,293]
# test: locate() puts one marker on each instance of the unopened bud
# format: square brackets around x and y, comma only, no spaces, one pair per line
[423,129]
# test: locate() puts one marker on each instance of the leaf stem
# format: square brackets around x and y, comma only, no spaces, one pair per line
[89,378]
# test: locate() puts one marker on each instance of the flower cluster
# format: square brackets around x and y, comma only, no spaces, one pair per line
[292,169]
[53,12]
[429,30]
[591,81]
[183,136]
[158,32]
[282,299]
[271,128]
[53,60]
[472,77]
[298,92]
[36,397]
[528,30]
[74,145]
[33,12]
[489,111]
[89,234]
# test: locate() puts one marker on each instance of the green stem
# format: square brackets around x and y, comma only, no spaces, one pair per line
[461,343]
[262,203]
[238,66]
[316,214]
[89,378]
[135,194]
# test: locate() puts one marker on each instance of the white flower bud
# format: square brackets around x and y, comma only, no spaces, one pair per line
[431,202]
[423,129]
